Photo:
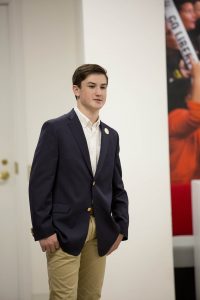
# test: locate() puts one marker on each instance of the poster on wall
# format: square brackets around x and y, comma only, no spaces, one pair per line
[182,27]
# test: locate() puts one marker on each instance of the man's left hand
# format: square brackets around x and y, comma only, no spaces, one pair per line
[116,244]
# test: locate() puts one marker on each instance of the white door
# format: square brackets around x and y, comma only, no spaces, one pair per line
[8,218]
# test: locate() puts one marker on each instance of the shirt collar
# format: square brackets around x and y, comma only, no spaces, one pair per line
[85,122]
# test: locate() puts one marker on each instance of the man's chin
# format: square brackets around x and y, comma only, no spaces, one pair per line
[98,106]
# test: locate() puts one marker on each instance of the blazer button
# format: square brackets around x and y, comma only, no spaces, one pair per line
[93,183]
[90,210]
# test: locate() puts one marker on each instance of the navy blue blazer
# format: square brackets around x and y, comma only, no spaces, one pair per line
[62,186]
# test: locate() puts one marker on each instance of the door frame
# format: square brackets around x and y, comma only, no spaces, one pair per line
[17,83]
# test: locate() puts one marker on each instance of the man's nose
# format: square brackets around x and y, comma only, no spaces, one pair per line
[98,91]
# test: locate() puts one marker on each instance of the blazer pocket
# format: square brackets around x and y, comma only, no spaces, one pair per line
[60,208]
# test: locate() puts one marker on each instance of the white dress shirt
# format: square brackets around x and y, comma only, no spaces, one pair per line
[93,137]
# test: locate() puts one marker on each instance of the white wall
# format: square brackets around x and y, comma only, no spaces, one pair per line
[127,38]
[51,53]
[52,43]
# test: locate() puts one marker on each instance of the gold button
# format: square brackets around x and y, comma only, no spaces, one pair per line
[93,183]
[90,210]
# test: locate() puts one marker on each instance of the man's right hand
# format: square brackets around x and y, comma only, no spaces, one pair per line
[50,244]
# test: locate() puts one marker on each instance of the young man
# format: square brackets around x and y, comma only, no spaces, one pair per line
[78,204]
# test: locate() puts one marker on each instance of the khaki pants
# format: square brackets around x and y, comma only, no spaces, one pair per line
[77,277]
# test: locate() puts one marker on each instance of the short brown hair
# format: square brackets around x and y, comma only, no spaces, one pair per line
[82,72]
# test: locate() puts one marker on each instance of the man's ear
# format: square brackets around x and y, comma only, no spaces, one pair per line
[76,90]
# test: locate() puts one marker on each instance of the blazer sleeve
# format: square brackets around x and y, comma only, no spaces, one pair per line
[41,182]
[120,198]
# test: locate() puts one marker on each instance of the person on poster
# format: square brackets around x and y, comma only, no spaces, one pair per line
[197,9]
[184,134]
[78,203]
[177,72]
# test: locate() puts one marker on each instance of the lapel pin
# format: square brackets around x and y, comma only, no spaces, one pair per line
[106,130]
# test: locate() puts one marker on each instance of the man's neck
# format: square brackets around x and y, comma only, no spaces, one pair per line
[91,115]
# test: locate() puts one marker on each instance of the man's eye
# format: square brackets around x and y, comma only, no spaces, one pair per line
[91,86]
[103,87]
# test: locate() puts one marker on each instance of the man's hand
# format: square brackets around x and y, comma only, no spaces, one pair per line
[116,244]
[50,244]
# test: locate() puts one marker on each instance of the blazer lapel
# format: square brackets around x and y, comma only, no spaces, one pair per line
[104,146]
[79,136]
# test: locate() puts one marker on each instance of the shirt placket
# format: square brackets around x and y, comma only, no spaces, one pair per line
[93,148]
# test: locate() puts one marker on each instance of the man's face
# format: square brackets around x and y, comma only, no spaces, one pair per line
[188,16]
[197,9]
[92,93]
